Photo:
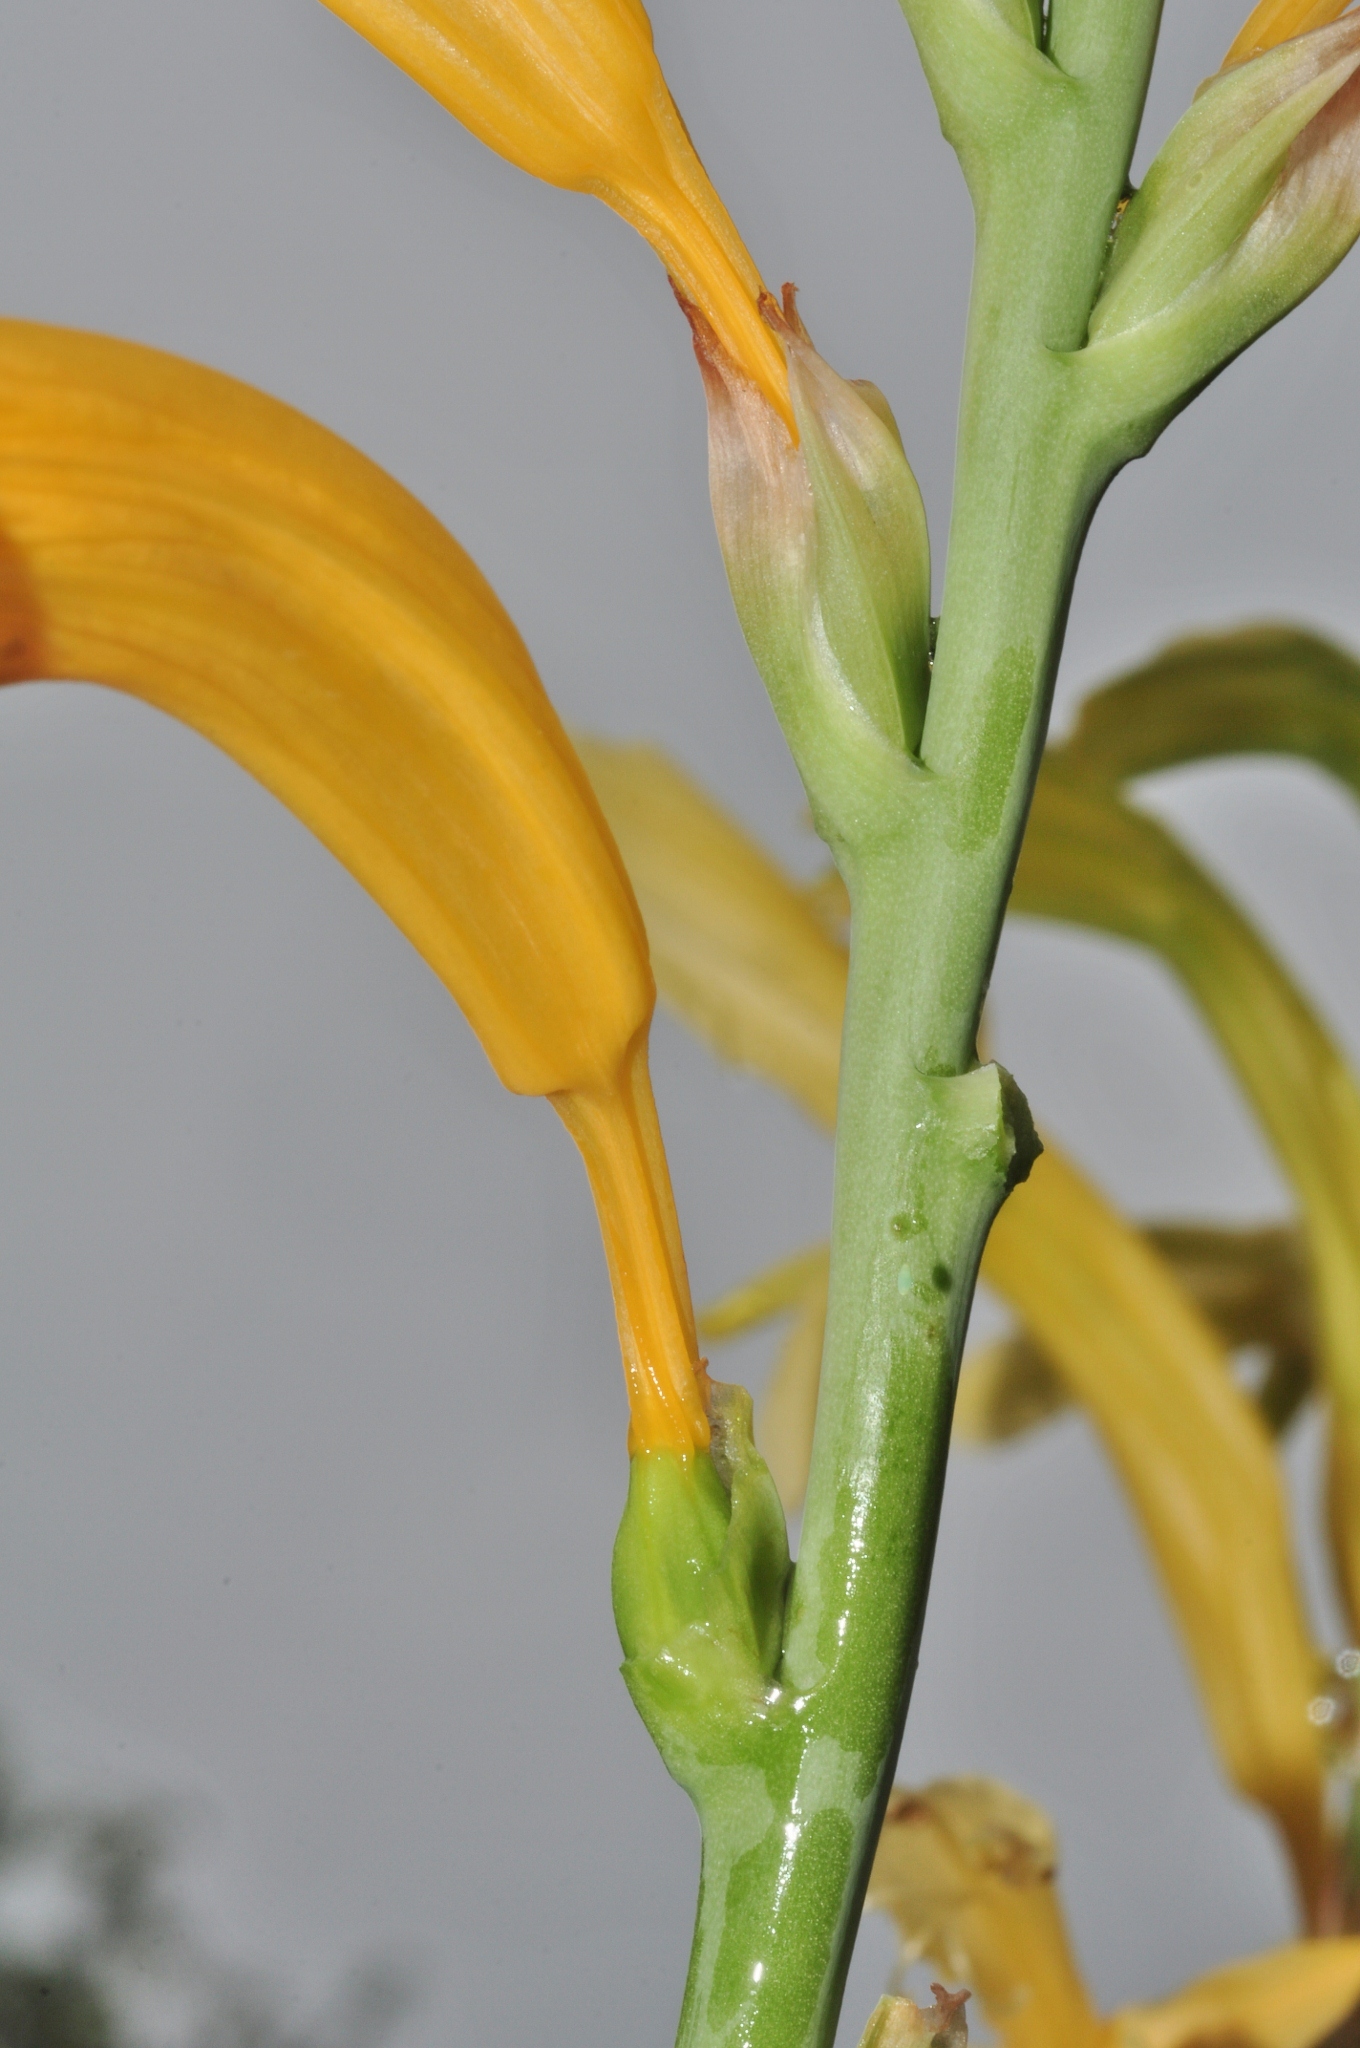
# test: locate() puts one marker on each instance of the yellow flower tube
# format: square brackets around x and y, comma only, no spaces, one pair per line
[571,91]
[173,534]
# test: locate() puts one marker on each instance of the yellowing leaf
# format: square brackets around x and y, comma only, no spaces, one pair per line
[1091,859]
[1197,1464]
[170,533]
[1007,1388]
[571,91]
[1257,690]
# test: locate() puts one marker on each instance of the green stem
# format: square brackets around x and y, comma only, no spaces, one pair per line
[926,1142]
[791,1816]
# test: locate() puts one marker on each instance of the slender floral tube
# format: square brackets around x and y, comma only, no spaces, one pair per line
[175,535]
[571,91]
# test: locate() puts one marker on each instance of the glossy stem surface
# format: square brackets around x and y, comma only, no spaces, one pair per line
[926,1141]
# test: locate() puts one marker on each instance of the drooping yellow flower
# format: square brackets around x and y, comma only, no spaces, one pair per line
[967,1869]
[571,90]
[173,534]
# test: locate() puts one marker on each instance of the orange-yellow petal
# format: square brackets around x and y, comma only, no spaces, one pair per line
[571,90]
[171,533]
[1276,21]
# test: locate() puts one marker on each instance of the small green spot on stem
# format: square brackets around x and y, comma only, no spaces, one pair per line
[941,1278]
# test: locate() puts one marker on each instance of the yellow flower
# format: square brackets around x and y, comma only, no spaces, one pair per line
[173,534]
[571,90]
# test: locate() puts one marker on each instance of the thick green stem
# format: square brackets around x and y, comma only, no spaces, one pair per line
[791,1812]
[926,1141]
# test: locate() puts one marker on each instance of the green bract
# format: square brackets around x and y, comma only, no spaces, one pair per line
[701,1567]
[1252,201]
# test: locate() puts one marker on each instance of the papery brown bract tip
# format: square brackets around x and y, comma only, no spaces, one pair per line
[785,319]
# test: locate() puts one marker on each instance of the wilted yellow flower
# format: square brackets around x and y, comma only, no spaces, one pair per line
[571,90]
[967,1870]
[173,534]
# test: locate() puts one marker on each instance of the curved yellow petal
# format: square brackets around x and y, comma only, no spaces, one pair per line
[571,90]
[967,1868]
[171,533]
[1292,1997]
[1197,1462]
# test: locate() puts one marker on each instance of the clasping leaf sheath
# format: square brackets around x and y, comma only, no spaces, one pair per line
[571,90]
[171,533]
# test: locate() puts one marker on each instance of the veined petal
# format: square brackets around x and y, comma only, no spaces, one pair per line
[1217,170]
[1252,201]
[171,533]
[571,90]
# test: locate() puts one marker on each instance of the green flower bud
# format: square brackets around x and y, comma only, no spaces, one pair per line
[1251,202]
[701,1568]
[825,544]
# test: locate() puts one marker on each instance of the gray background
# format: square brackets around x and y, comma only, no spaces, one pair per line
[311,1432]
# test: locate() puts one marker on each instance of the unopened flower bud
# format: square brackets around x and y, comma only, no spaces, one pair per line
[1251,202]
[824,541]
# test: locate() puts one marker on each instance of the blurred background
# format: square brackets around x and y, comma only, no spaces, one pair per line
[311,1422]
